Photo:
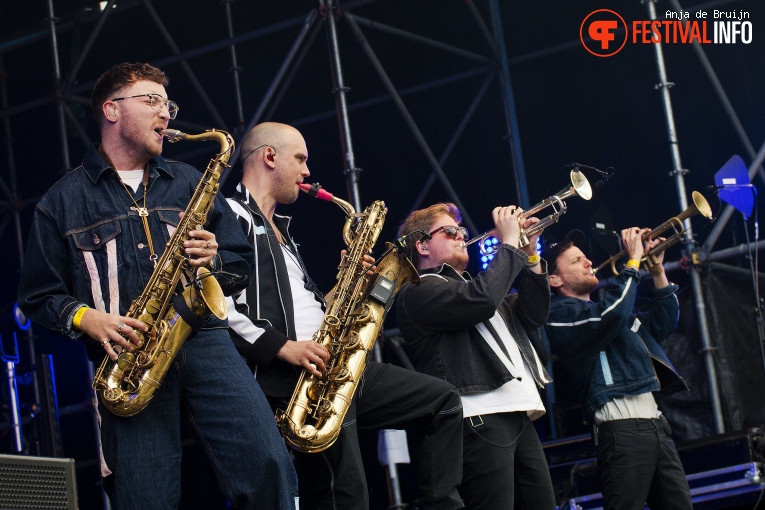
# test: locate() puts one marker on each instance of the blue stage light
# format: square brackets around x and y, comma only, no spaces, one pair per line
[21,320]
[485,263]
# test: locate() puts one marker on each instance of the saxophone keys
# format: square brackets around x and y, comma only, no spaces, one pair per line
[351,341]
[313,392]
[339,374]
[324,409]
[126,361]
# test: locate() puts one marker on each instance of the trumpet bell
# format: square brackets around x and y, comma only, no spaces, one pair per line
[702,205]
[580,187]
[675,224]
[581,184]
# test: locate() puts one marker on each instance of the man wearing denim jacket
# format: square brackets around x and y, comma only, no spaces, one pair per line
[616,360]
[92,248]
[472,332]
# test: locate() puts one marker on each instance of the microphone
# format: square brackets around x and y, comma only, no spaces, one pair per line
[604,174]
[715,187]
[401,242]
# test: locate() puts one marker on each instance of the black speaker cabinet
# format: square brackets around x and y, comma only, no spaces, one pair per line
[37,482]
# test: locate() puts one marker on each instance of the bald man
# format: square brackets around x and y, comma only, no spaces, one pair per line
[272,324]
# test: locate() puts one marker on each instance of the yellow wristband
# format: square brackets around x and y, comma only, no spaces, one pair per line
[533,259]
[633,264]
[78,316]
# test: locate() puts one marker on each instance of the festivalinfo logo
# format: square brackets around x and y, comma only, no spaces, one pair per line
[604,33]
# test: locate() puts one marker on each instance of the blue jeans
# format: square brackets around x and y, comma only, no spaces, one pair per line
[211,385]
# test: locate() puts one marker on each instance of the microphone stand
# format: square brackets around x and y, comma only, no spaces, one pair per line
[754,268]
[753,265]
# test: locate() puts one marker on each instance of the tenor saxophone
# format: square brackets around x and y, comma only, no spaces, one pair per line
[128,384]
[354,316]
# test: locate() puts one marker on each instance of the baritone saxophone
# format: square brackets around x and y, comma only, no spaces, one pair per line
[352,321]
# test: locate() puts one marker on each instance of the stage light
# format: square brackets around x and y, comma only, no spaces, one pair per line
[489,248]
[22,321]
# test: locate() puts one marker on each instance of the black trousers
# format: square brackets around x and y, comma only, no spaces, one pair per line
[390,397]
[504,464]
[638,463]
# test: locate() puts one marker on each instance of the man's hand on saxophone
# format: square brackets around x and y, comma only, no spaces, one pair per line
[114,332]
[307,354]
[201,247]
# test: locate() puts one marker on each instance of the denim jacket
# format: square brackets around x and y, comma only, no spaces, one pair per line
[607,349]
[438,319]
[87,244]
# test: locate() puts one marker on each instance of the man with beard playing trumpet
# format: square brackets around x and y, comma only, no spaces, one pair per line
[472,332]
[615,359]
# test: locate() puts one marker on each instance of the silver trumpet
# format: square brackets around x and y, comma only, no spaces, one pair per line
[579,187]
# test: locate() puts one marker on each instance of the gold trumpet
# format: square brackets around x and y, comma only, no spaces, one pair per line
[699,206]
[579,187]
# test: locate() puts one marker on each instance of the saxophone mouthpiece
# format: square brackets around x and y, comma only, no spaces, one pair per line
[173,135]
[316,191]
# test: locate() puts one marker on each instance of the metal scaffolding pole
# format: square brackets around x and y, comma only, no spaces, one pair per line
[409,120]
[185,65]
[678,173]
[331,10]
[453,141]
[235,69]
[86,50]
[724,101]
[275,85]
[508,100]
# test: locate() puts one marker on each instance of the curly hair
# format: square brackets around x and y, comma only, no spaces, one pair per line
[421,220]
[119,77]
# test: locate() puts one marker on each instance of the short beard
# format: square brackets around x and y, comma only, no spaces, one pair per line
[585,288]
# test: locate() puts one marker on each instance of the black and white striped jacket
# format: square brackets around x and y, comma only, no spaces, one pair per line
[261,317]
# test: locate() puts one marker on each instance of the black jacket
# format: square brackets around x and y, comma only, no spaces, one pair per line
[438,319]
[262,318]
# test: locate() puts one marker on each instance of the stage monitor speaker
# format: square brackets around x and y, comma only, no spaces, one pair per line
[41,483]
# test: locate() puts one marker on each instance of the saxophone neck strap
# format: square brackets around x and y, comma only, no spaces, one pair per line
[196,322]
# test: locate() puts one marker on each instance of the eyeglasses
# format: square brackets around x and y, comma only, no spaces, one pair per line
[256,148]
[156,102]
[451,231]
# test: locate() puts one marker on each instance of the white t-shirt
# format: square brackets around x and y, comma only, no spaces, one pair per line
[515,395]
[637,406]
[131,178]
[308,313]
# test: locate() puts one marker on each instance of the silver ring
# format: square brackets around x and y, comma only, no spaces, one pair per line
[207,245]
[120,325]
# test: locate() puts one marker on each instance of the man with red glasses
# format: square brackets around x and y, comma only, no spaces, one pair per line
[473,333]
